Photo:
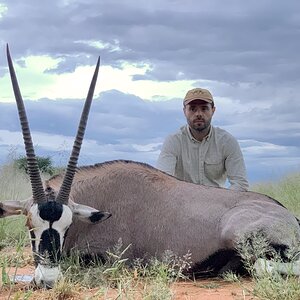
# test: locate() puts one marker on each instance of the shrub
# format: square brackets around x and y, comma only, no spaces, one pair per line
[44,164]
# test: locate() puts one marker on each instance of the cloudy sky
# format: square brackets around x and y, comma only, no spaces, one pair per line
[152,52]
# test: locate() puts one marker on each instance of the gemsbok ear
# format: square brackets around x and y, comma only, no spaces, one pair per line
[88,214]
[12,207]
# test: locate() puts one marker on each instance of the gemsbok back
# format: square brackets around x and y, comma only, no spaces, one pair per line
[145,207]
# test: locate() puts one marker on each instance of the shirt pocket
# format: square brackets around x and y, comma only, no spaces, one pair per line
[214,168]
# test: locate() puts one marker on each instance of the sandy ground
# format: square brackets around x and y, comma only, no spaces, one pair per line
[212,289]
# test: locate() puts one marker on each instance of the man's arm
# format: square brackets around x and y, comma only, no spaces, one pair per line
[235,166]
[168,156]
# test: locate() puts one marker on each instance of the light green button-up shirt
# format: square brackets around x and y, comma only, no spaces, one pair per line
[217,157]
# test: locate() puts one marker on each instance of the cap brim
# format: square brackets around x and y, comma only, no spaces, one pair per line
[191,100]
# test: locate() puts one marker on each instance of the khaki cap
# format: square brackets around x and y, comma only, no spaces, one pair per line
[198,94]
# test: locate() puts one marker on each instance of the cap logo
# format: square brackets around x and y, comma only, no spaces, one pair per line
[197,92]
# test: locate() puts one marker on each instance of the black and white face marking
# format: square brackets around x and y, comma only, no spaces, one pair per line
[48,223]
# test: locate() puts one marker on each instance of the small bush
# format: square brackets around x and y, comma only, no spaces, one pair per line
[44,164]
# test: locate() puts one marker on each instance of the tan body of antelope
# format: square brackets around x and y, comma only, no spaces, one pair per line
[145,207]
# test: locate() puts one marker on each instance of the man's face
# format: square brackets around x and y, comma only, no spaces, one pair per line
[198,114]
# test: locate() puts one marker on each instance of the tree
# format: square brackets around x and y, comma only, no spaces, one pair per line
[44,164]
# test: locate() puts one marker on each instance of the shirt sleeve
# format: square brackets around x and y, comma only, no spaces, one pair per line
[168,156]
[235,166]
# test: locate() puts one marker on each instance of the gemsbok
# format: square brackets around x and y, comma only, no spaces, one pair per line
[145,207]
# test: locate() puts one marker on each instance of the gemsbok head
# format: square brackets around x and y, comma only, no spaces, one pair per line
[50,213]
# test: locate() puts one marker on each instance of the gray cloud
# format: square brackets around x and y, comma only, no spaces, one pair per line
[236,42]
[124,126]
[245,52]
[114,116]
[250,49]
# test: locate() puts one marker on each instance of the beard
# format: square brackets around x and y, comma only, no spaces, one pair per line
[199,126]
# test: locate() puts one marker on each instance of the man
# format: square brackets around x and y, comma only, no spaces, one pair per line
[201,153]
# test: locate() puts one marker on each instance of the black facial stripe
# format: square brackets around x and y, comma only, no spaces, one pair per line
[50,211]
[32,239]
[50,245]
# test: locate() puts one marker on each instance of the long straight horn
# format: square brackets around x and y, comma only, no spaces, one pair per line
[34,173]
[65,188]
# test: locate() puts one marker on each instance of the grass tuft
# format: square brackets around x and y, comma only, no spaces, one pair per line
[268,285]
